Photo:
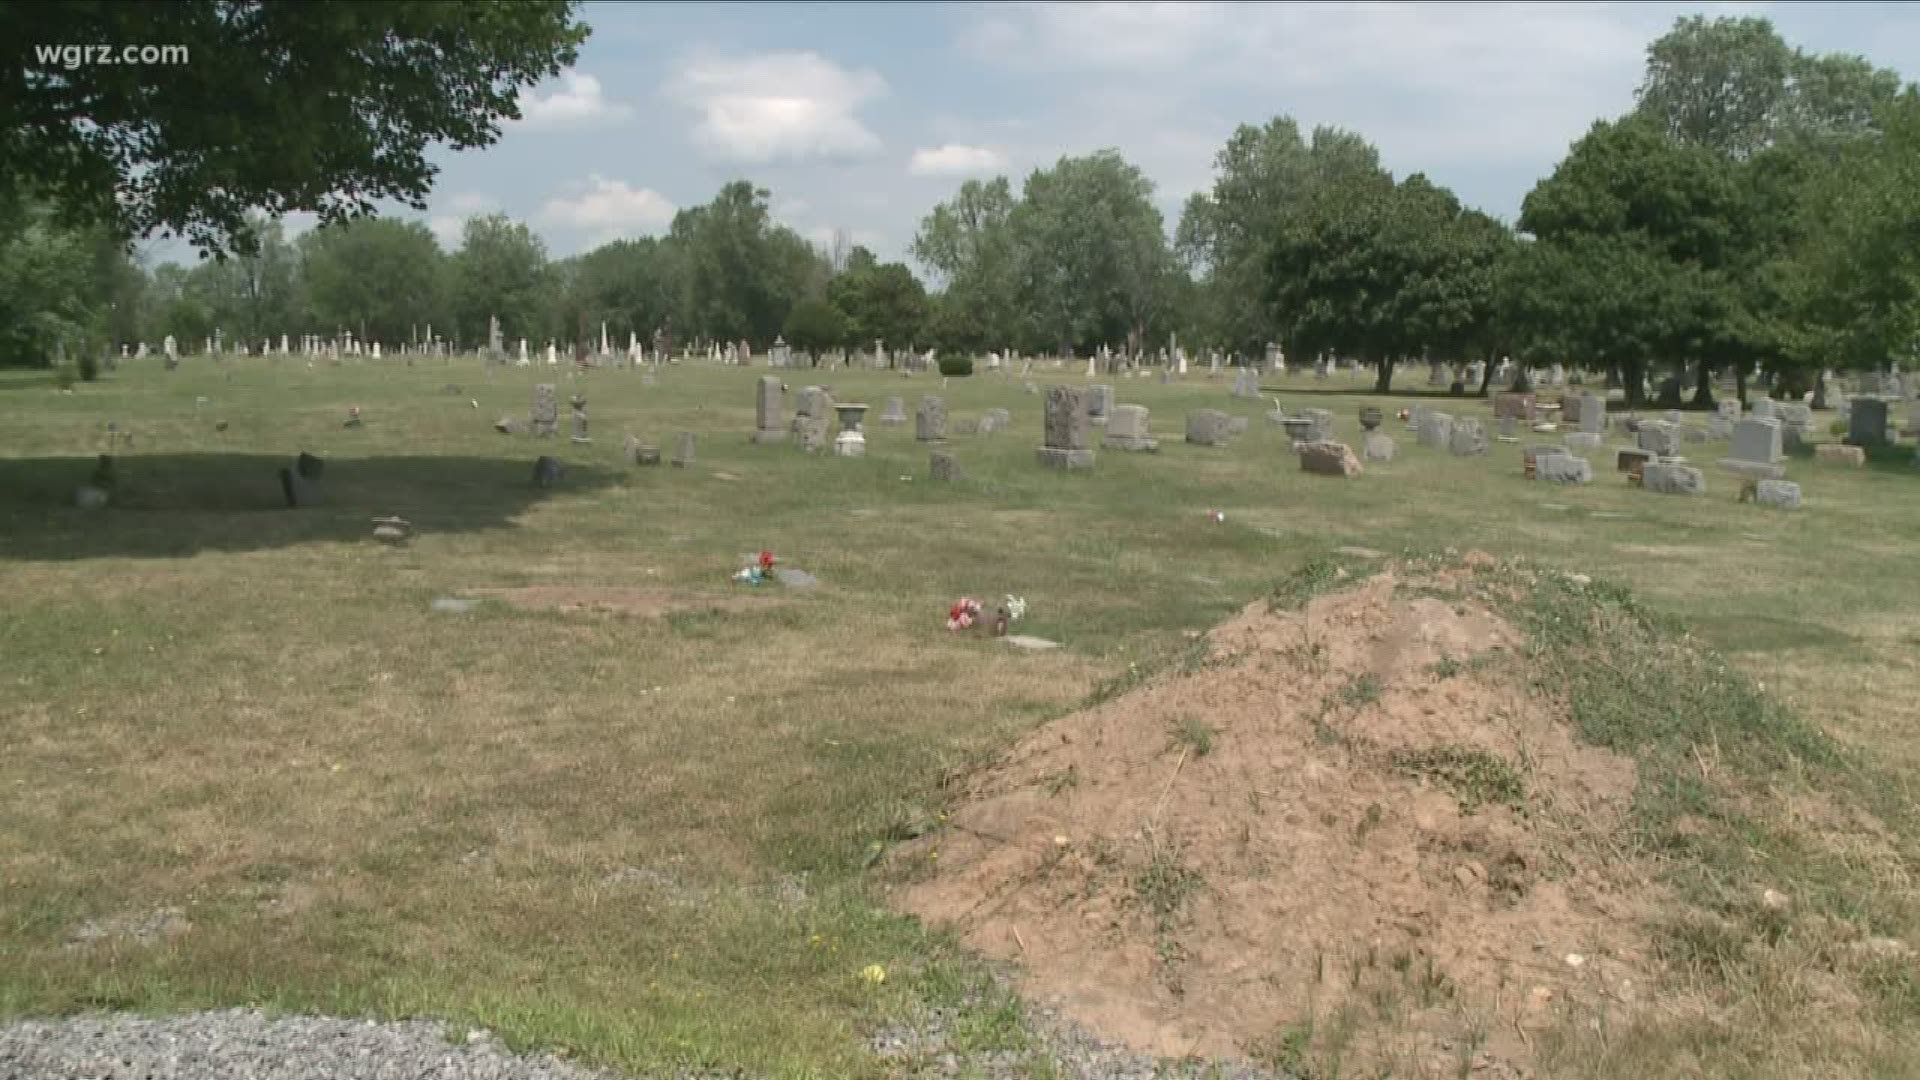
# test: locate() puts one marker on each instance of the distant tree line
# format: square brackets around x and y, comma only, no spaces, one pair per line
[1760,206]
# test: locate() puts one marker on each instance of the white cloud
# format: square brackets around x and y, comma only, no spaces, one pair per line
[777,106]
[609,208]
[954,159]
[578,103]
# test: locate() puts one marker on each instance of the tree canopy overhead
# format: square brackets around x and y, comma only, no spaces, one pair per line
[279,107]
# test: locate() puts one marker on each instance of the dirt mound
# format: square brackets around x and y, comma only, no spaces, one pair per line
[1350,837]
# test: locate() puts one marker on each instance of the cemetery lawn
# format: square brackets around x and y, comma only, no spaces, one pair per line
[628,808]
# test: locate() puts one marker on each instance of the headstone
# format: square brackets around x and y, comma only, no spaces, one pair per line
[1779,494]
[894,413]
[1659,437]
[1593,413]
[994,420]
[1585,442]
[1867,424]
[683,451]
[1562,469]
[1467,438]
[944,466]
[545,418]
[1436,430]
[768,403]
[579,404]
[1127,430]
[930,419]
[1378,447]
[547,471]
[1515,405]
[1237,425]
[1068,428]
[1631,460]
[1837,454]
[1329,459]
[1509,429]
[1764,408]
[1099,405]
[1668,478]
[1207,427]
[1757,441]
[1728,407]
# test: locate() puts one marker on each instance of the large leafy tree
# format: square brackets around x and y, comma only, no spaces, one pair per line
[1090,253]
[382,279]
[741,272]
[883,301]
[328,108]
[501,271]
[967,245]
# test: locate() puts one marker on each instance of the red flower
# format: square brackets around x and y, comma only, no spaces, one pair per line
[766,560]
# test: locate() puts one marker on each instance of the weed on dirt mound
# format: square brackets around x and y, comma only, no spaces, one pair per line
[1427,824]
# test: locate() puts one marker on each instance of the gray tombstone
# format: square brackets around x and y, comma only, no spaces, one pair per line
[769,400]
[1068,428]
[895,412]
[1562,469]
[1127,430]
[944,466]
[547,471]
[579,404]
[683,451]
[1436,430]
[1099,404]
[1467,438]
[545,418]
[1659,437]
[1378,447]
[1669,478]
[1779,494]
[1207,427]
[930,419]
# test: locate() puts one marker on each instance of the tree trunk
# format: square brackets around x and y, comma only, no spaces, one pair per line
[1703,387]
[1633,375]
[1669,396]
[1740,383]
[1486,376]
[1820,390]
[1383,381]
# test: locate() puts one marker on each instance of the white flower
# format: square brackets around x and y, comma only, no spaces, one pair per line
[1016,607]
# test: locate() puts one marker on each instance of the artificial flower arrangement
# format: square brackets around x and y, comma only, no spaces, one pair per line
[761,571]
[967,611]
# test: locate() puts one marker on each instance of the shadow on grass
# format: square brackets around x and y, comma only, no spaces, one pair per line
[174,505]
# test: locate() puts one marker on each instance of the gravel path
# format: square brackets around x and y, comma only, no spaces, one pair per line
[238,1044]
[241,1045]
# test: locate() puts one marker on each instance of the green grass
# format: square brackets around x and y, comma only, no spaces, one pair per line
[250,713]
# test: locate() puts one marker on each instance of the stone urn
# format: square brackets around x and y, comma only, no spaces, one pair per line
[851,442]
[1370,417]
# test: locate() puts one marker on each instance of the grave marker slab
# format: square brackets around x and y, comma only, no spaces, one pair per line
[1207,427]
[1068,429]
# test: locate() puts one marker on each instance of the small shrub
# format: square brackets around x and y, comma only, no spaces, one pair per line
[1838,429]
[956,366]
[89,367]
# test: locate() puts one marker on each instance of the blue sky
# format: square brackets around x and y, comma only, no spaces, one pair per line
[860,117]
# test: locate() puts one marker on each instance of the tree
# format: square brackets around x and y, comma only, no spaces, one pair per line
[1090,252]
[740,272]
[879,301]
[628,284]
[501,271]
[1734,86]
[328,108]
[1658,222]
[814,326]
[49,279]
[967,244]
[384,280]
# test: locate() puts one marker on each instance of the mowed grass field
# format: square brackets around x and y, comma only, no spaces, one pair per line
[646,839]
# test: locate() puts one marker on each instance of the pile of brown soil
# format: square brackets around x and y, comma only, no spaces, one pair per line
[1353,835]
